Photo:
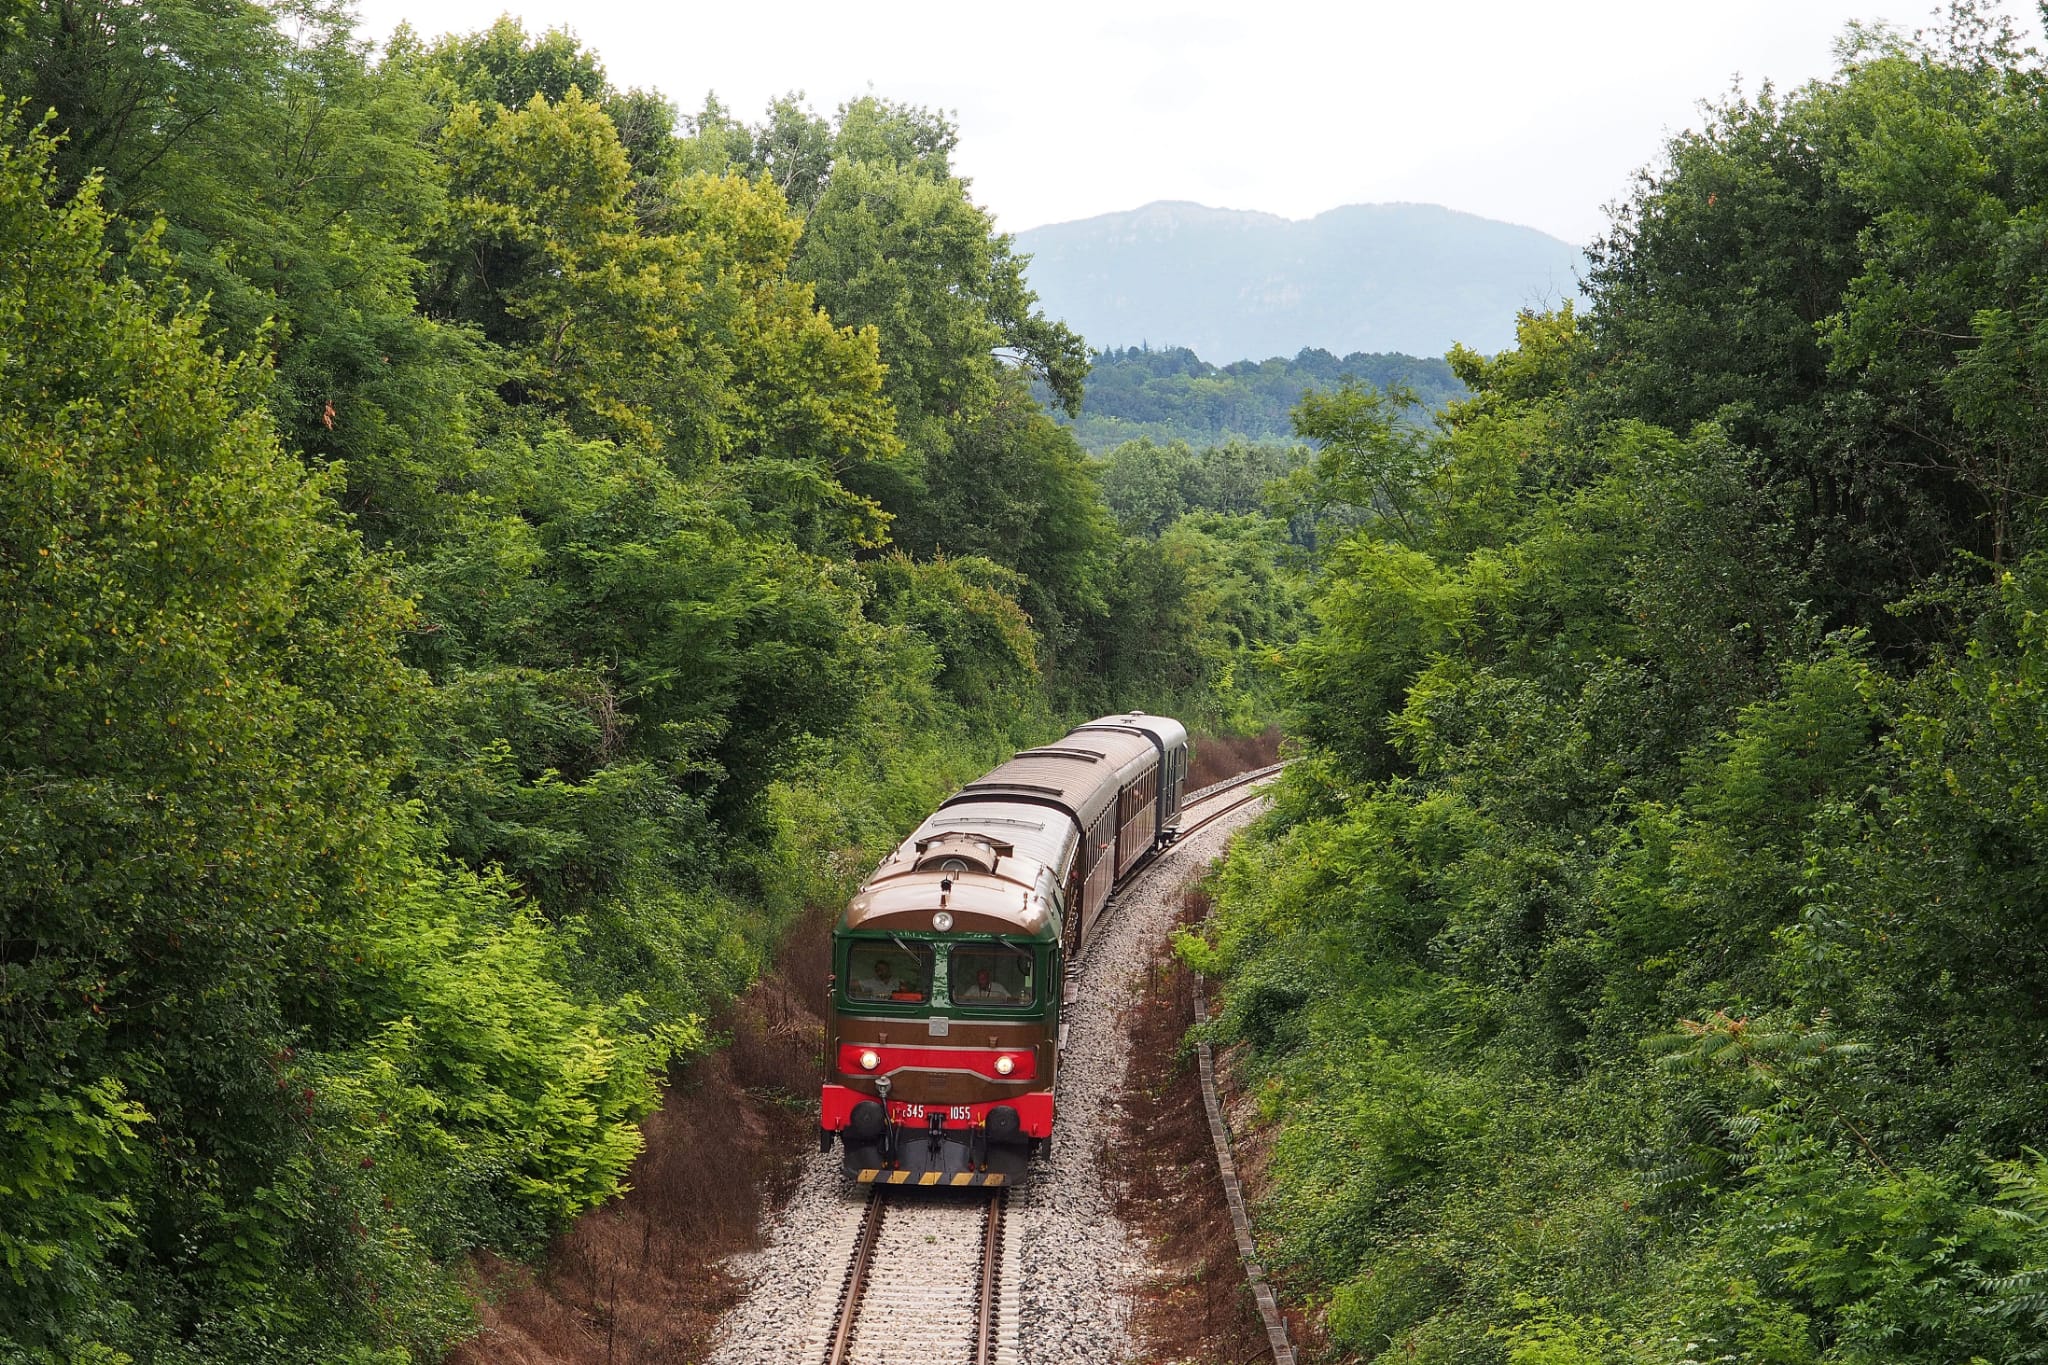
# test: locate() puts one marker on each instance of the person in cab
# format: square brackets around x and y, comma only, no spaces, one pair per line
[882,983]
[986,990]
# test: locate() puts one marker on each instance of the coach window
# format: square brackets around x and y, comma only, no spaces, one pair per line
[887,970]
[997,977]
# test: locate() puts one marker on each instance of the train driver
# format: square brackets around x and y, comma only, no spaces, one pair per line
[986,990]
[883,985]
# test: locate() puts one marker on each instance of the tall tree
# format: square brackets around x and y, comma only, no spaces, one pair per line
[505,67]
[294,178]
[202,713]
[1841,277]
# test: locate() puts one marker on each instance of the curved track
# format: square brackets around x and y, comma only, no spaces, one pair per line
[1229,784]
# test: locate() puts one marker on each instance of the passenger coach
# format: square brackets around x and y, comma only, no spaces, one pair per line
[943,1020]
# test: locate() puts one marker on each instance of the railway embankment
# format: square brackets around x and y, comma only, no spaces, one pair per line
[642,1279]
[1193,1305]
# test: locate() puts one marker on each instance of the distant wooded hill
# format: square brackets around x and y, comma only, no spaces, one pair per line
[1172,394]
[1229,285]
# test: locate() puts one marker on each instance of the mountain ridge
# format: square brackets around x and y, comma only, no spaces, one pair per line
[1244,284]
[1267,215]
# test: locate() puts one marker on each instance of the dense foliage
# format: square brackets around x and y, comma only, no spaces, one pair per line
[1209,578]
[478,551]
[250,1007]
[1172,394]
[1647,960]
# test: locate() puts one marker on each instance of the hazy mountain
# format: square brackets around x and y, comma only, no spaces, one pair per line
[1232,285]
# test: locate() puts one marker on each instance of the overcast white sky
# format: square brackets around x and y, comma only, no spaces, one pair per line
[1534,111]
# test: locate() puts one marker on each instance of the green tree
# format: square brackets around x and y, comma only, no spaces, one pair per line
[129,88]
[1639,965]
[503,67]
[294,179]
[684,332]
[1016,489]
[893,241]
[1368,464]
[1837,276]
[203,713]
[224,946]
[1142,484]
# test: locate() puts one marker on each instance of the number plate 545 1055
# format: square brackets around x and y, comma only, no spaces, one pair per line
[917,1113]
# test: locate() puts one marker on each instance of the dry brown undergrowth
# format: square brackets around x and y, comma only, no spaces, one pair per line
[1221,756]
[1196,1306]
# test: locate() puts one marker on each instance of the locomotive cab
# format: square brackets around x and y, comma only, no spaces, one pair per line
[942,1018]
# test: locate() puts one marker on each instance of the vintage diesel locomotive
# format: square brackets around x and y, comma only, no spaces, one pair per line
[942,1031]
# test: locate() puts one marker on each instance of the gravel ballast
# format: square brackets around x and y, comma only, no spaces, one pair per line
[1079,1262]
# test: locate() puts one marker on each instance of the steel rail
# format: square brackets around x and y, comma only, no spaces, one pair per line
[856,1280]
[1213,816]
[1216,788]
[985,1316]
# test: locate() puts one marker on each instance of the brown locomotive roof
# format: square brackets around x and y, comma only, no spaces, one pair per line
[1014,897]
[1034,831]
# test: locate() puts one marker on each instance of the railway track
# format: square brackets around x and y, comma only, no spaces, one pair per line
[911,1295]
[1247,780]
[1243,779]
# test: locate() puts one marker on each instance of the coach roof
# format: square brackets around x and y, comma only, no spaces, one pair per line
[1165,731]
[1081,783]
[1129,754]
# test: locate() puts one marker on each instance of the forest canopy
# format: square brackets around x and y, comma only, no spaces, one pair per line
[1171,394]
[1645,961]
[482,551]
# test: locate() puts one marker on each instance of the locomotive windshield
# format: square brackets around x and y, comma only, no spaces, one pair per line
[993,976]
[890,970]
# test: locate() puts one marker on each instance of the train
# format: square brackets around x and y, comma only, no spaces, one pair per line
[950,964]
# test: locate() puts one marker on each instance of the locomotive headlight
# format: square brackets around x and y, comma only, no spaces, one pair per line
[1005,1065]
[869,1060]
[942,921]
